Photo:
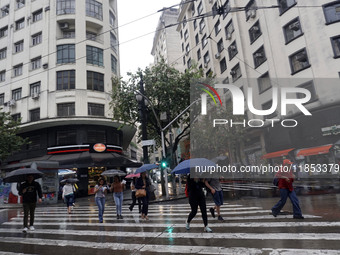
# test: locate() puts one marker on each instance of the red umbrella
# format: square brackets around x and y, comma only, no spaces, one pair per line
[132,176]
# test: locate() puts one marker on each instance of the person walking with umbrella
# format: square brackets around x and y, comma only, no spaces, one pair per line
[117,188]
[100,191]
[133,196]
[68,195]
[143,183]
[29,191]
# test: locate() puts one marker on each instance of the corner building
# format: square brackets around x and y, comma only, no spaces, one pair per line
[56,65]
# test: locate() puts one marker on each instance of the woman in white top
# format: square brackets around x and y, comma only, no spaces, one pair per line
[68,195]
[100,190]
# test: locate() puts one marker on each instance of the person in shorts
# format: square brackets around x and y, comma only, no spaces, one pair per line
[215,187]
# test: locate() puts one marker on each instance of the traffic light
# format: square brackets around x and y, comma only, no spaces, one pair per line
[164,164]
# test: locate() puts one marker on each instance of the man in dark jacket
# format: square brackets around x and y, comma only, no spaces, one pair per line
[29,191]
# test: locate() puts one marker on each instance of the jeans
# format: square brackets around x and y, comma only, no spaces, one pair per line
[194,203]
[145,202]
[69,200]
[29,208]
[118,197]
[100,201]
[285,193]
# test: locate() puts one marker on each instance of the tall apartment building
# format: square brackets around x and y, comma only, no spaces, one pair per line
[57,59]
[267,44]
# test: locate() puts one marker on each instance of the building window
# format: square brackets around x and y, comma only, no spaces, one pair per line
[113,64]
[36,63]
[292,30]
[35,114]
[20,24]
[197,40]
[91,36]
[112,19]
[336,46]
[37,15]
[223,65]
[94,56]
[67,109]
[16,94]
[186,35]
[66,137]
[95,109]
[35,142]
[3,76]
[220,46]
[3,53]
[35,88]
[2,99]
[217,27]
[299,61]
[17,117]
[206,58]
[199,8]
[202,25]
[226,8]
[255,32]
[19,4]
[204,41]
[182,47]
[66,80]
[113,42]
[192,10]
[259,57]
[65,53]
[184,21]
[17,70]
[229,29]
[199,54]
[309,86]
[66,7]
[264,83]
[3,31]
[94,9]
[189,63]
[284,5]
[195,24]
[187,49]
[250,9]
[214,10]
[96,136]
[4,11]
[332,12]
[133,154]
[19,46]
[70,34]
[95,81]
[232,50]
[36,39]
[236,72]
[268,105]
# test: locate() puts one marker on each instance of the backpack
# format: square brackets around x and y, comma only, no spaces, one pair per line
[276,181]
[186,190]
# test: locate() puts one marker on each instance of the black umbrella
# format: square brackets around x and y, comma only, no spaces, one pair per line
[19,175]
[70,180]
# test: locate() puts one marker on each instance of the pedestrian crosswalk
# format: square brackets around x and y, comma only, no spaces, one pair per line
[245,230]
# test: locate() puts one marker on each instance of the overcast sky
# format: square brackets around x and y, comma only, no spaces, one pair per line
[137,53]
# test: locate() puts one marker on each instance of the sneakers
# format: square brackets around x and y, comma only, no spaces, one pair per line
[212,211]
[207,229]
[130,208]
[300,217]
[120,217]
[187,225]
[220,218]
[32,228]
[25,230]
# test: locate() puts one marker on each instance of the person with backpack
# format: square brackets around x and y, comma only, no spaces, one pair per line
[285,181]
[197,198]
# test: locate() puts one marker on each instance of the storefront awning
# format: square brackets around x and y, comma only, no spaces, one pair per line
[315,150]
[277,154]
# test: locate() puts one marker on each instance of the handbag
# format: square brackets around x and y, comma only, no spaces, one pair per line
[141,193]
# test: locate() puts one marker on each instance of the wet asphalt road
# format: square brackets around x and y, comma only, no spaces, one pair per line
[248,229]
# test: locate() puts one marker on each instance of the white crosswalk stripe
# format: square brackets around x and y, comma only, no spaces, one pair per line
[245,230]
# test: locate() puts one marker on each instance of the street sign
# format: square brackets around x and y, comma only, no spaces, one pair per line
[148,142]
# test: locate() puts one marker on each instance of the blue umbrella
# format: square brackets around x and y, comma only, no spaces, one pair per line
[184,167]
[145,168]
